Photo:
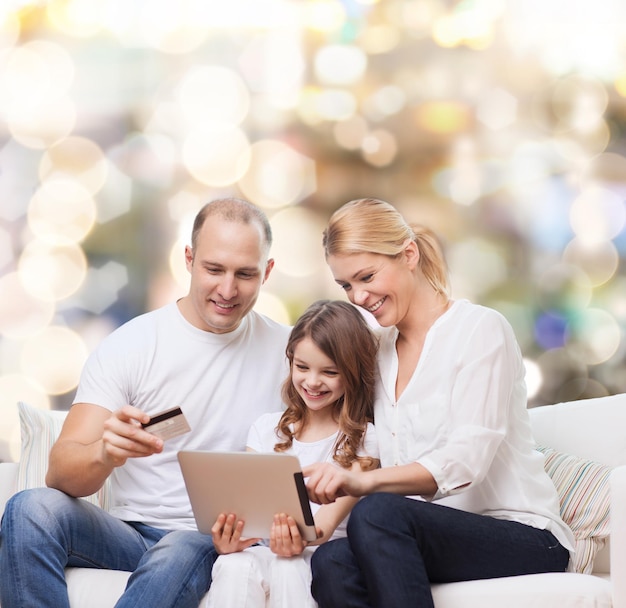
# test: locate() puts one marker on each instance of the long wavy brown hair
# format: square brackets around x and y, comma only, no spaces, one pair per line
[339,330]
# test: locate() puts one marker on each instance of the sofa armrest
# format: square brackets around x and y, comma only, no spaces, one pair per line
[8,479]
[618,536]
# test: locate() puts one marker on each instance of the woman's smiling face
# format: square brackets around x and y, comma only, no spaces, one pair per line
[380,284]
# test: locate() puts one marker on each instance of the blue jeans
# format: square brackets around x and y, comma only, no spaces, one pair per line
[396,547]
[44,530]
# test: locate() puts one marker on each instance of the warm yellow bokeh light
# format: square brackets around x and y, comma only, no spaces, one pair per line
[272,306]
[80,18]
[599,260]
[278,175]
[338,64]
[442,117]
[213,94]
[217,157]
[349,134]
[177,264]
[41,125]
[54,358]
[322,15]
[21,314]
[379,147]
[61,211]
[52,273]
[298,242]
[78,157]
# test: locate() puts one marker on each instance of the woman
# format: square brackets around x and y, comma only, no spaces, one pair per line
[461,494]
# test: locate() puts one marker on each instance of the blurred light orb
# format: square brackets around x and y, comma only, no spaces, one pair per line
[177,265]
[173,27]
[78,157]
[217,157]
[298,242]
[54,358]
[599,260]
[78,18]
[349,134]
[101,287]
[477,264]
[340,64]
[597,215]
[37,73]
[534,377]
[114,199]
[21,314]
[384,102]
[334,104]
[579,103]
[551,330]
[61,210]
[322,15]
[41,125]
[379,39]
[379,148]
[15,388]
[272,306]
[442,117]
[497,109]
[6,249]
[595,336]
[274,64]
[9,28]
[52,272]
[278,175]
[212,94]
[563,287]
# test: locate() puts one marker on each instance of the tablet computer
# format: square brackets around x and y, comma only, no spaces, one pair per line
[253,485]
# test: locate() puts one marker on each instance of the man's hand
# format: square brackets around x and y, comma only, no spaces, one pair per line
[226,533]
[124,438]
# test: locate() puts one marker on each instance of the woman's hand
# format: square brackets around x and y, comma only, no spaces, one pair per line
[285,537]
[226,533]
[327,482]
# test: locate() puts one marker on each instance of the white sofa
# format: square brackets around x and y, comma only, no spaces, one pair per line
[590,429]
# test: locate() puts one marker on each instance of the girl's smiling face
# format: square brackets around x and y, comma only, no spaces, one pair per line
[315,377]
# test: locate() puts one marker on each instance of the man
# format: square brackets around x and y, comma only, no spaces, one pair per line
[208,353]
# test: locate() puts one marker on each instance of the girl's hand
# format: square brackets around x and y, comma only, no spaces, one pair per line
[285,537]
[226,533]
[326,482]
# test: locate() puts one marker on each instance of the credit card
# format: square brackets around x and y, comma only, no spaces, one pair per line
[168,424]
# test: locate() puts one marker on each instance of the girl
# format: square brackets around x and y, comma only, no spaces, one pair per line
[452,427]
[328,398]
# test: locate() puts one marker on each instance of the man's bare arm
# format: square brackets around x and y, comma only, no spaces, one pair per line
[93,442]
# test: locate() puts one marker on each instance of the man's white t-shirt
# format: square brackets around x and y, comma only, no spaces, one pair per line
[222,382]
[263,437]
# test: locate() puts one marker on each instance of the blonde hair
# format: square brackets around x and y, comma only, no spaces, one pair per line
[369,225]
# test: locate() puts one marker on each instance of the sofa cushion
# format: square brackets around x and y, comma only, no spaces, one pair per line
[584,495]
[550,590]
[39,430]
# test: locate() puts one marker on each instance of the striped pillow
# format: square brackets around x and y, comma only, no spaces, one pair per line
[583,490]
[39,430]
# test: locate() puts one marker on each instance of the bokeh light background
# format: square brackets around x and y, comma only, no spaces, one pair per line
[499,123]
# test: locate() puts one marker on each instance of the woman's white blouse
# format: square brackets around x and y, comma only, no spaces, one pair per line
[463,417]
